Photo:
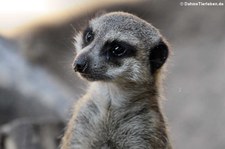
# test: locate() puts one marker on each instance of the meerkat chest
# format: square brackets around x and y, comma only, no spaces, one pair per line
[98,126]
[91,126]
[105,121]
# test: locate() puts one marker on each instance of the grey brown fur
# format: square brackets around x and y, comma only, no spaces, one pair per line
[121,108]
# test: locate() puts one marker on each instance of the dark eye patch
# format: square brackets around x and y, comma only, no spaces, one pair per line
[117,50]
[88,36]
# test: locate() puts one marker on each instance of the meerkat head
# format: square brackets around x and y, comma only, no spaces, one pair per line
[119,46]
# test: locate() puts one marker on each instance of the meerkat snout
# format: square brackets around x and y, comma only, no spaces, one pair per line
[80,64]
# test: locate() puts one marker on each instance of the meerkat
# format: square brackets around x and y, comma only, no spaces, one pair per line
[122,56]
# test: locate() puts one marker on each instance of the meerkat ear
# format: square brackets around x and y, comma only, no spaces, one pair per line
[158,56]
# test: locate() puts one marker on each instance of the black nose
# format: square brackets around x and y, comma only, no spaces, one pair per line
[80,65]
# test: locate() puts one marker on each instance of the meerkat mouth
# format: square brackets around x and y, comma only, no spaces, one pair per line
[94,77]
[90,77]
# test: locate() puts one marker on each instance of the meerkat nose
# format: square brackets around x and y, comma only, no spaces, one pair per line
[80,65]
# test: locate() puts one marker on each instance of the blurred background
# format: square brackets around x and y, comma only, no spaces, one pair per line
[38,86]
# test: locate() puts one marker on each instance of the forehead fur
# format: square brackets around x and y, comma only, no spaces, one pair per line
[121,25]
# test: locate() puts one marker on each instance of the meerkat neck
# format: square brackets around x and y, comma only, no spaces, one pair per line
[120,95]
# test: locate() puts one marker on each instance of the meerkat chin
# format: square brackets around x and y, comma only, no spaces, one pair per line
[122,56]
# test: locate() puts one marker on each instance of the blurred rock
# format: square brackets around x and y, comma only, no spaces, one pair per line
[20,79]
[14,105]
[31,134]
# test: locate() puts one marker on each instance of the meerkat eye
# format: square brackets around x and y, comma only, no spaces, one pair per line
[88,36]
[118,50]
